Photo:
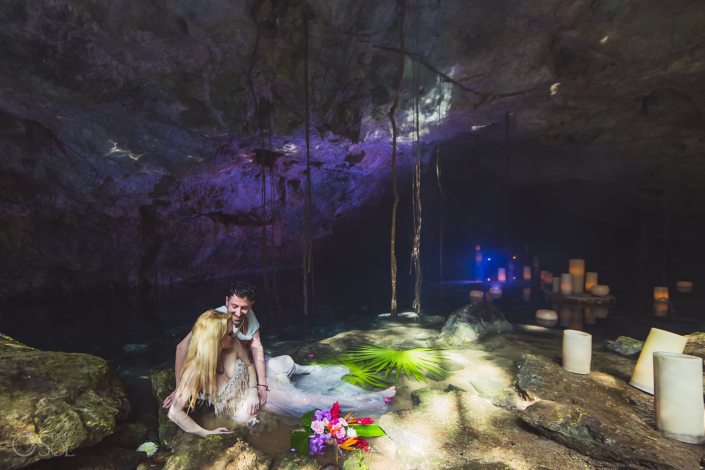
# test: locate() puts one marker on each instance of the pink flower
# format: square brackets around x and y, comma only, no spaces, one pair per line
[310,355]
[387,399]
[342,422]
[318,427]
[340,433]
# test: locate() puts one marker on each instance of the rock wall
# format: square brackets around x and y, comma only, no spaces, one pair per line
[131,132]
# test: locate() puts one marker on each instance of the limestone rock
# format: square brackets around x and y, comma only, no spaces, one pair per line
[498,394]
[625,346]
[72,400]
[472,323]
[221,451]
[598,415]
[432,320]
[695,345]
[293,461]
[163,383]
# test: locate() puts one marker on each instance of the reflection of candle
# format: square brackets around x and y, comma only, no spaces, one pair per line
[684,286]
[566,284]
[576,318]
[549,278]
[577,270]
[658,340]
[590,280]
[577,351]
[502,275]
[526,294]
[660,293]
[496,293]
[527,273]
[556,284]
[661,308]
[600,290]
[590,318]
[600,312]
[547,323]
[566,315]
[543,276]
[678,396]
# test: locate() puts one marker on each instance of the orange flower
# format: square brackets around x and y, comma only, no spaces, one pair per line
[347,445]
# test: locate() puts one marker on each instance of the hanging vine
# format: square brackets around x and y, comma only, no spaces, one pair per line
[400,79]
[307,231]
[416,185]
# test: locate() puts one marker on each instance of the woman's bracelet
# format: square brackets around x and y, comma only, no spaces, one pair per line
[266,387]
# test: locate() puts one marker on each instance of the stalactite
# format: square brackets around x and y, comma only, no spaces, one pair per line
[307,231]
[394,159]
[416,250]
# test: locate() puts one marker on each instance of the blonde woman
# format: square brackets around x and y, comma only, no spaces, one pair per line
[218,370]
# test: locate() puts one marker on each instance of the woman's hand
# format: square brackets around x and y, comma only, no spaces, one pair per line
[252,402]
[205,433]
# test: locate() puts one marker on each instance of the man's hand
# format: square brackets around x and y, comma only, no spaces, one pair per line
[252,402]
[168,400]
[262,396]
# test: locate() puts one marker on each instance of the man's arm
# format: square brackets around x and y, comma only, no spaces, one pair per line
[181,353]
[258,356]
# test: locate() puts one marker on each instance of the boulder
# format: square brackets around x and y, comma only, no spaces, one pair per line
[432,320]
[598,415]
[293,461]
[695,345]
[65,399]
[474,322]
[219,451]
[163,383]
[625,346]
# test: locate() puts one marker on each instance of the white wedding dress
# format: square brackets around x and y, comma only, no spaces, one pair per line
[299,390]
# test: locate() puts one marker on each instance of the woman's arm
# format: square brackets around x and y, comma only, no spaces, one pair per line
[183,420]
[252,404]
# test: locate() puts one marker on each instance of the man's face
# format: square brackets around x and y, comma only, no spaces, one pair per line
[238,307]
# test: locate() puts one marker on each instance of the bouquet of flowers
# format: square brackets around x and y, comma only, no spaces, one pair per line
[327,427]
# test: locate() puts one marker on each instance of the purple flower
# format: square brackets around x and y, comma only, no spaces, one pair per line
[320,414]
[316,444]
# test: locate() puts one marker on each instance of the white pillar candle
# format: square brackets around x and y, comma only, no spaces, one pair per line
[577,270]
[678,396]
[556,284]
[502,275]
[527,273]
[599,290]
[496,293]
[546,315]
[547,323]
[660,293]
[658,340]
[684,286]
[566,284]
[577,351]
[526,294]
[590,280]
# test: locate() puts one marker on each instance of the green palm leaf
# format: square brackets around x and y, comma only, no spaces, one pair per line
[411,361]
[361,374]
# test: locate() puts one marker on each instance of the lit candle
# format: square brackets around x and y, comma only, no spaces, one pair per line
[478,255]
[658,340]
[526,294]
[543,276]
[546,315]
[476,295]
[527,273]
[549,278]
[590,280]
[660,293]
[684,286]
[599,290]
[577,351]
[577,270]
[502,275]
[566,284]
[556,284]
[678,396]
[496,293]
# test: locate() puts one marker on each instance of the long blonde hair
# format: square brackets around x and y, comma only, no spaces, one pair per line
[203,352]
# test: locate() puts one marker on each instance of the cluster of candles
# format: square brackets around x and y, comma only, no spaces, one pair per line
[575,281]
[675,379]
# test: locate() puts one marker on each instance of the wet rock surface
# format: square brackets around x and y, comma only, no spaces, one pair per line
[472,323]
[70,400]
[293,461]
[625,346]
[597,415]
[163,383]
[222,451]
[695,345]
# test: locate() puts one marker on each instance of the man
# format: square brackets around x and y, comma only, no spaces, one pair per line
[238,303]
